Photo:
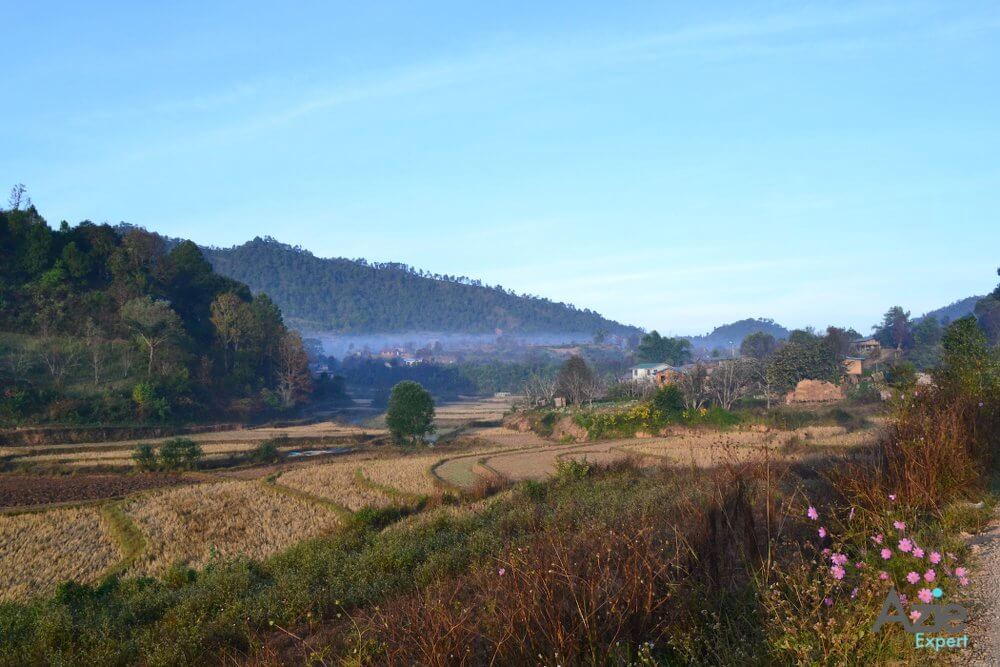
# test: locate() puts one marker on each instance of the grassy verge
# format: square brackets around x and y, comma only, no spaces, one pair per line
[126,534]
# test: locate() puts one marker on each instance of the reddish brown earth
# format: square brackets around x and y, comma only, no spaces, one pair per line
[23,490]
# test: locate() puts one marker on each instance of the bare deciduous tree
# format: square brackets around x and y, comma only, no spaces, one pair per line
[125,356]
[693,384]
[96,349]
[18,197]
[539,390]
[634,389]
[59,357]
[765,379]
[292,370]
[153,322]
[576,382]
[731,381]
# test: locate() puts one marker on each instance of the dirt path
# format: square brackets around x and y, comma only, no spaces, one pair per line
[984,628]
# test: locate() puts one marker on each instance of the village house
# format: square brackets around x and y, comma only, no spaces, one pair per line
[646,371]
[668,375]
[853,367]
[868,347]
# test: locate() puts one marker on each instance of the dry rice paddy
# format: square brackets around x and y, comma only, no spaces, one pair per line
[194,524]
[39,550]
[336,482]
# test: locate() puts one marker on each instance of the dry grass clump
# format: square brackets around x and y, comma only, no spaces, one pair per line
[192,525]
[336,482]
[39,550]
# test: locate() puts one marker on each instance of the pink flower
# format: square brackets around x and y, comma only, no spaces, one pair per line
[838,559]
[837,572]
[826,551]
[935,557]
[883,575]
[886,554]
[929,576]
[905,545]
[502,571]
[828,602]
[925,595]
[877,539]
[963,581]
[812,513]
[914,615]
[959,571]
[913,577]
[918,552]
[899,525]
[822,532]
[854,593]
[859,565]
[892,496]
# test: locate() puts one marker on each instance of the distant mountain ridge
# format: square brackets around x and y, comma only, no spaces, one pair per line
[344,295]
[954,311]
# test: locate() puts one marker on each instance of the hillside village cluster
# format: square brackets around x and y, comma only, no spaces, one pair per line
[866,356]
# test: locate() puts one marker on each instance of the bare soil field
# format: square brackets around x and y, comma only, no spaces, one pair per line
[26,490]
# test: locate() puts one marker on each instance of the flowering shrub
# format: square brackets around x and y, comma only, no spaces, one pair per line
[647,417]
[822,606]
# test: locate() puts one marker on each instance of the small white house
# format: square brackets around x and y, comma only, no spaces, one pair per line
[646,371]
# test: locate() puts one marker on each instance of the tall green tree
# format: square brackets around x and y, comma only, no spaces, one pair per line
[654,348]
[758,345]
[896,329]
[410,415]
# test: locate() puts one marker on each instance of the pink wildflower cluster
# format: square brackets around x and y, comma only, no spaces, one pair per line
[918,581]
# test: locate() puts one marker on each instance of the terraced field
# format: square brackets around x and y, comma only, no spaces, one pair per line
[258,511]
[38,550]
[216,446]
[192,525]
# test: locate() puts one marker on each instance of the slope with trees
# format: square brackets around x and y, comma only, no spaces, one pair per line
[358,296]
[101,325]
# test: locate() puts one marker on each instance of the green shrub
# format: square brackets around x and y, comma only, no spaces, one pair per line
[571,470]
[145,457]
[267,451]
[179,454]
[669,401]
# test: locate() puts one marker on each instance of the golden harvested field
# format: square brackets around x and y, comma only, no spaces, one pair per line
[218,441]
[540,462]
[409,474]
[225,519]
[39,550]
[504,438]
[336,482]
[123,456]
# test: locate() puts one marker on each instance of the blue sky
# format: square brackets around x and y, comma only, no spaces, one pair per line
[669,166]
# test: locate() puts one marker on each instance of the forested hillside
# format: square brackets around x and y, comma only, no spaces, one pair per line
[101,325]
[954,311]
[733,333]
[356,296]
